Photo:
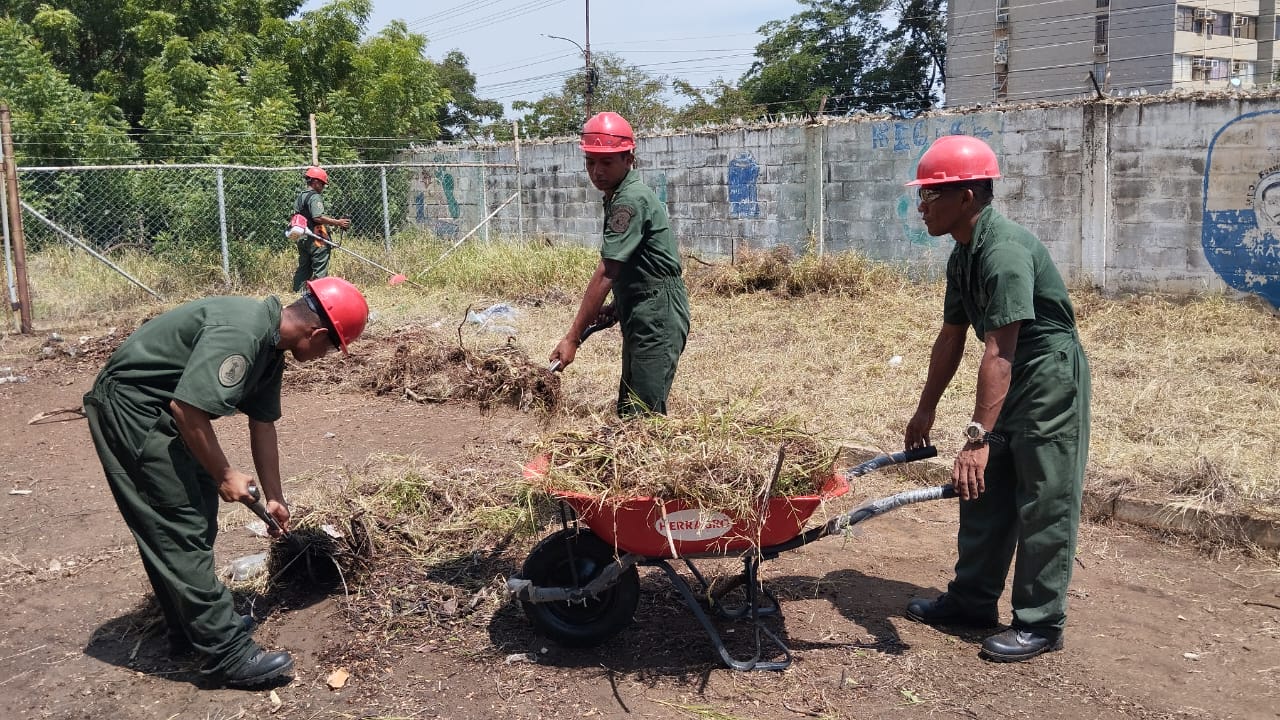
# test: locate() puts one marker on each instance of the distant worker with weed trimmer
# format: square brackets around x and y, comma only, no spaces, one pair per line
[313,253]
[150,414]
[640,264]
[1020,473]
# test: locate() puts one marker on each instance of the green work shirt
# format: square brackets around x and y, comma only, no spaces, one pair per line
[310,205]
[637,233]
[217,354]
[1005,275]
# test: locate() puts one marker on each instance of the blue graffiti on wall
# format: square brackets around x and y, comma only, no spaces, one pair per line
[743,173]
[1240,230]
[660,187]
[913,135]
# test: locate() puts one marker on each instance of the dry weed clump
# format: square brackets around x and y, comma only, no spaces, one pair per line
[712,460]
[409,545]
[781,271]
[428,366]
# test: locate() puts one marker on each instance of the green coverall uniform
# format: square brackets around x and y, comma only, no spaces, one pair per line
[313,255]
[1035,471]
[649,295]
[219,355]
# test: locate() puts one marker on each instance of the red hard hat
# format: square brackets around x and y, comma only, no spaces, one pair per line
[316,173]
[344,306]
[607,132]
[956,158]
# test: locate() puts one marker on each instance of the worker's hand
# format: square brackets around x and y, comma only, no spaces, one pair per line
[968,473]
[344,223]
[565,351]
[235,487]
[280,512]
[607,316]
[917,434]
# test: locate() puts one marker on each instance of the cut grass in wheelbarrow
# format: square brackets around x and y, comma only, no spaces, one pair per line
[580,586]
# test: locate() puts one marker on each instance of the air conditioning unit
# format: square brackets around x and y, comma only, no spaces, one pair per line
[1002,19]
[1240,20]
[1238,67]
[1000,53]
[1205,14]
[1100,49]
[1202,63]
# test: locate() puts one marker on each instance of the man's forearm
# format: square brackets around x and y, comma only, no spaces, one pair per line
[265,447]
[196,428]
[944,359]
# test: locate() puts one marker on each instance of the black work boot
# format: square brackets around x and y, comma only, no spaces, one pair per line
[946,611]
[180,646]
[261,668]
[1014,645]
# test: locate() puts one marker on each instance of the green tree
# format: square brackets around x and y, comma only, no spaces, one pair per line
[720,103]
[465,113]
[621,88]
[841,51]
[55,122]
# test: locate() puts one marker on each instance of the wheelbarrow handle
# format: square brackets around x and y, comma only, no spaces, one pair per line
[883,460]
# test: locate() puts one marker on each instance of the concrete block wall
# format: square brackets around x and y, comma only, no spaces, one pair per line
[1129,194]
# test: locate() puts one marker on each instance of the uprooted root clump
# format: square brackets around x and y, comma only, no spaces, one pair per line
[409,546]
[715,460]
[430,367]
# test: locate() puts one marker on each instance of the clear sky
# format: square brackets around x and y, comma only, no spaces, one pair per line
[695,40]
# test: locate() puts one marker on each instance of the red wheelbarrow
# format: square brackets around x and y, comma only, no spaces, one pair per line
[579,586]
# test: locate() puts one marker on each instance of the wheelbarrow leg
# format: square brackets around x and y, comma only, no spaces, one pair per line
[761,632]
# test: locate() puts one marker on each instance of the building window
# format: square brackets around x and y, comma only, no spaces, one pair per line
[1104,3]
[1002,85]
[1245,27]
[1186,19]
[1100,31]
[1100,74]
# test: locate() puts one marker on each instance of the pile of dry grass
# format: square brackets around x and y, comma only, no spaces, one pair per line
[428,366]
[780,270]
[721,460]
[409,545]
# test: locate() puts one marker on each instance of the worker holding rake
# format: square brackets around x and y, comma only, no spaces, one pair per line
[150,413]
[1020,474]
[640,265]
[313,253]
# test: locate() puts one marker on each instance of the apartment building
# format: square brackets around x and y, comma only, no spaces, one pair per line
[1026,50]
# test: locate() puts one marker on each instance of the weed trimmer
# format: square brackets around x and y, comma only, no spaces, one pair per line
[298,231]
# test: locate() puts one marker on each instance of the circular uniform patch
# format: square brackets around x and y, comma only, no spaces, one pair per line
[620,218]
[231,371]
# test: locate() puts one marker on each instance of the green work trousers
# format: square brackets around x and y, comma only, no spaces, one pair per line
[171,505]
[313,262]
[654,317]
[1030,511]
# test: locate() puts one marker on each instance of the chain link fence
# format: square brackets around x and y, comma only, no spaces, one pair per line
[233,211]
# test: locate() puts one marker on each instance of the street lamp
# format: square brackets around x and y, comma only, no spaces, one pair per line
[586,55]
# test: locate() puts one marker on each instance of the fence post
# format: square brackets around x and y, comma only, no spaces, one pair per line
[11,295]
[386,213]
[515,130]
[15,223]
[484,195]
[222,229]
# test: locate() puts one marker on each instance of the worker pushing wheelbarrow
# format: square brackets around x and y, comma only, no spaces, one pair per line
[579,586]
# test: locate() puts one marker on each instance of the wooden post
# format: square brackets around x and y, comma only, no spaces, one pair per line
[315,147]
[15,223]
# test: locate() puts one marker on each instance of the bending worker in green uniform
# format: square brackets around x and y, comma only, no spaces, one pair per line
[1020,474]
[640,264]
[150,413]
[313,255]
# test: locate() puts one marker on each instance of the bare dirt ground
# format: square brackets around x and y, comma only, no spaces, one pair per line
[1157,629]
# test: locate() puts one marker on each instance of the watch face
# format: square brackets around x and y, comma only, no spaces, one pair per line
[973,432]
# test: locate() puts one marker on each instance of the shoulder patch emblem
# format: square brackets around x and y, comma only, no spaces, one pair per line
[620,218]
[232,370]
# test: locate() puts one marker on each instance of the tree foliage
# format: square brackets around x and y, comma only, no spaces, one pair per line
[465,114]
[621,88]
[838,56]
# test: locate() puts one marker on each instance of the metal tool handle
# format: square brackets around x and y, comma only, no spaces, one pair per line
[259,508]
[587,332]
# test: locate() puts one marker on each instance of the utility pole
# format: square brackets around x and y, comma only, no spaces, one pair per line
[591,74]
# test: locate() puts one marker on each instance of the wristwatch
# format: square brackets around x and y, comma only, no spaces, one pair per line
[975,433]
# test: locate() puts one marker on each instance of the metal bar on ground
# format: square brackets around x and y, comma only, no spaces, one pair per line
[89,250]
[463,239]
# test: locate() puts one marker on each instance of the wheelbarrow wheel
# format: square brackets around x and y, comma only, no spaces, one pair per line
[573,558]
